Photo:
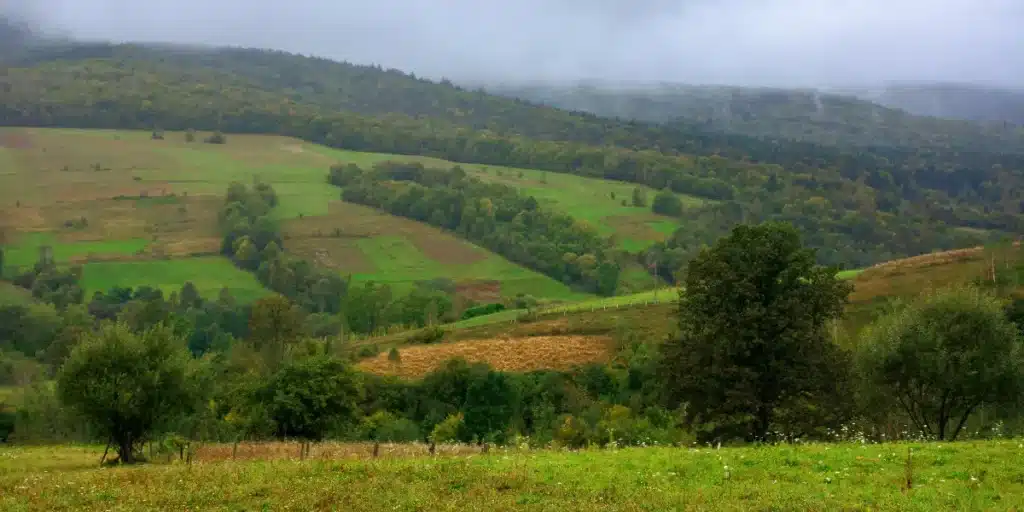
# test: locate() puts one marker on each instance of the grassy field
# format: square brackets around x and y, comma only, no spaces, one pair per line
[375,246]
[112,198]
[597,202]
[981,475]
[210,274]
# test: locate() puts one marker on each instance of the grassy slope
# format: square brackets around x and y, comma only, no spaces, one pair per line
[651,315]
[65,185]
[980,475]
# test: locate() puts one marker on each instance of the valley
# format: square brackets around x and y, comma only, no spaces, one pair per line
[236,278]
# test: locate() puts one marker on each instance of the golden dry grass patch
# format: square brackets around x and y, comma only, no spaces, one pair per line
[911,276]
[503,354]
[263,451]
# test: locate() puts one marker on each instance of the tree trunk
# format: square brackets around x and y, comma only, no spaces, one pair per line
[762,424]
[124,450]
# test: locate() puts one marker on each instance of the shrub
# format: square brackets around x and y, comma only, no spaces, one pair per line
[386,427]
[216,138]
[486,309]
[667,203]
[426,336]
[639,197]
[524,301]
[448,430]
[190,135]
[394,356]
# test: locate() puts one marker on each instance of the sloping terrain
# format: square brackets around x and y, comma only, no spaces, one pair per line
[801,115]
[133,210]
[951,100]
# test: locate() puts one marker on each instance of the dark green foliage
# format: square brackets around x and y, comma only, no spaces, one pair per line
[943,357]
[51,284]
[639,197]
[216,138]
[486,399]
[7,419]
[126,384]
[667,203]
[485,309]
[752,334]
[274,325]
[426,336]
[1015,314]
[308,398]
[495,216]
[190,135]
[28,330]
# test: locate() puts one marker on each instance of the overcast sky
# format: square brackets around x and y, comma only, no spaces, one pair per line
[749,42]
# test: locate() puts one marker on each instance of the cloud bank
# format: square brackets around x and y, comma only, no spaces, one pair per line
[748,42]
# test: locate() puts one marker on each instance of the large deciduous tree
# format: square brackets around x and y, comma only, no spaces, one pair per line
[753,335]
[943,356]
[127,384]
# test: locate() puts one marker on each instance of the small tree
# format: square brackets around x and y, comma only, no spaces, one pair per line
[127,384]
[639,197]
[190,135]
[667,203]
[943,356]
[753,337]
[274,324]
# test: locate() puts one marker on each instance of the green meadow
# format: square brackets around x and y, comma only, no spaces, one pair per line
[209,274]
[926,477]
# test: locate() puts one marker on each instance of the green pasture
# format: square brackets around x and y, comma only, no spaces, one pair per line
[209,274]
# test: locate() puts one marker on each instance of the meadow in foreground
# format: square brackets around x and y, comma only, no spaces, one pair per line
[979,475]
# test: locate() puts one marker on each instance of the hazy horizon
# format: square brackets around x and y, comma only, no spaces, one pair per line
[772,43]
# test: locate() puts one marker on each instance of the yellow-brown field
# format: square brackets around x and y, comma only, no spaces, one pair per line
[505,354]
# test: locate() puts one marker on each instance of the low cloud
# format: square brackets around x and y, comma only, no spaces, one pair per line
[750,42]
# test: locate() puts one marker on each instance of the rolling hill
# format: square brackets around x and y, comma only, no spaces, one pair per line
[812,116]
[858,205]
[136,211]
[951,100]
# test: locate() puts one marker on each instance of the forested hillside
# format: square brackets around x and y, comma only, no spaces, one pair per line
[858,206]
[956,101]
[793,114]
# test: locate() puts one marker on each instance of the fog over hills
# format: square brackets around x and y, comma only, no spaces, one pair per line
[739,42]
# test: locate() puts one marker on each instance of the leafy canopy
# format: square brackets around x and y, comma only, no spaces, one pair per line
[306,398]
[943,356]
[753,335]
[127,384]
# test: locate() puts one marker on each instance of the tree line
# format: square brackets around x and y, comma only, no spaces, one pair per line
[752,360]
[494,216]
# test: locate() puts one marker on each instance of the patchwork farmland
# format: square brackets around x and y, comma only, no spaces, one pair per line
[132,211]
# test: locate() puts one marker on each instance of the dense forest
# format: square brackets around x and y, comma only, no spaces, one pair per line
[822,118]
[859,207]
